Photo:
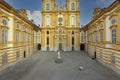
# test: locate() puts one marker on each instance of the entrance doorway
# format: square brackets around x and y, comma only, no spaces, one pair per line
[60,46]
[95,55]
[39,46]
[82,47]
[24,54]
[72,48]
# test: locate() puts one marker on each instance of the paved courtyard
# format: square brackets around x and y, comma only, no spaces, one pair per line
[41,66]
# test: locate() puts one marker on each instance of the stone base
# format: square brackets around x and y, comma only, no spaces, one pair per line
[59,60]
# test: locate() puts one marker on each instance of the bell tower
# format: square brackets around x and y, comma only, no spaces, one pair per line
[48,5]
[72,5]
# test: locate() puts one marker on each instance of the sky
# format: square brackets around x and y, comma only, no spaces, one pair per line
[33,8]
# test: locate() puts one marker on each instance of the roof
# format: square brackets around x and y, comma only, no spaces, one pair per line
[6,4]
[104,10]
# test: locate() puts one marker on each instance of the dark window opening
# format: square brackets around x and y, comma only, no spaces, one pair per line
[72,40]
[47,41]
[24,54]
[47,32]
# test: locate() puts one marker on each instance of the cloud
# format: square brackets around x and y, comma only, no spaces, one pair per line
[102,3]
[36,16]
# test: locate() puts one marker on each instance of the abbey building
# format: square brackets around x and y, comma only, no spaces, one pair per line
[60,26]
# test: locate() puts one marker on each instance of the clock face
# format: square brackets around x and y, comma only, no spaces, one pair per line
[60,19]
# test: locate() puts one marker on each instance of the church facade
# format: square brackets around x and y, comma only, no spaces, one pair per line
[60,26]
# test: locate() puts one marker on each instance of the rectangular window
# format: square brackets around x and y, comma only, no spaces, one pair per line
[72,40]
[113,59]
[4,58]
[28,37]
[4,36]
[100,55]
[95,37]
[73,20]
[24,37]
[101,37]
[113,36]
[17,54]
[47,20]
[17,36]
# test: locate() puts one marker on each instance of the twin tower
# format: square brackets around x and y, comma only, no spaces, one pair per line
[60,25]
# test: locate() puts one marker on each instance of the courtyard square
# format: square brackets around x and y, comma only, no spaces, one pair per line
[42,66]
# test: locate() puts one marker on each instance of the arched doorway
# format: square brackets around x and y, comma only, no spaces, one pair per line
[60,46]
[82,47]
[39,46]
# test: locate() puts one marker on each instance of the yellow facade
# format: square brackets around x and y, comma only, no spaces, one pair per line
[16,34]
[103,36]
[60,26]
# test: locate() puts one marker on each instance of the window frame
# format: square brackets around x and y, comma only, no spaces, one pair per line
[101,37]
[73,6]
[114,36]
[47,6]
[4,36]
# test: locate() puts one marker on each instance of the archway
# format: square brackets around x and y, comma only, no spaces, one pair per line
[60,46]
[39,46]
[82,47]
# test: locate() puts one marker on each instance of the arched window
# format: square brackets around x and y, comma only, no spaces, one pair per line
[113,21]
[114,36]
[17,37]
[4,36]
[47,6]
[95,28]
[101,37]
[47,32]
[17,26]
[23,28]
[72,6]
[101,25]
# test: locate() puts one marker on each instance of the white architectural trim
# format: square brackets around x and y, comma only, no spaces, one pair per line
[108,38]
[47,20]
[71,20]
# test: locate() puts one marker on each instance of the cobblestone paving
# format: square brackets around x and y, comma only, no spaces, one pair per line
[42,66]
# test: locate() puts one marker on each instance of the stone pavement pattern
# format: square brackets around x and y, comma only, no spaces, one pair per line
[41,66]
